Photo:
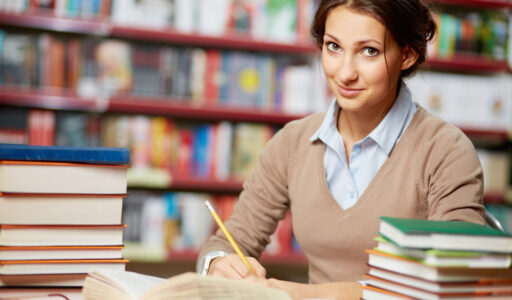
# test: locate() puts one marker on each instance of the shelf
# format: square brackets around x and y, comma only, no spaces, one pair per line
[61,100]
[497,135]
[198,184]
[494,198]
[176,108]
[169,35]
[230,186]
[56,99]
[476,3]
[49,22]
[239,42]
[468,63]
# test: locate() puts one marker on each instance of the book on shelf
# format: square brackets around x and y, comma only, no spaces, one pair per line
[61,235]
[71,209]
[59,266]
[103,284]
[60,252]
[447,258]
[449,235]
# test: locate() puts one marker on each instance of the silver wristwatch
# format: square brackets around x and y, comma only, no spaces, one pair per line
[204,263]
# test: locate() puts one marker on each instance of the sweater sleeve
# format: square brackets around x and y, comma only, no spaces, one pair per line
[455,180]
[261,205]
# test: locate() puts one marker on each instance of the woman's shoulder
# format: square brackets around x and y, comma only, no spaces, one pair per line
[302,129]
[434,131]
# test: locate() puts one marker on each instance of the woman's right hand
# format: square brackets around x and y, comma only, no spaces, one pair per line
[231,266]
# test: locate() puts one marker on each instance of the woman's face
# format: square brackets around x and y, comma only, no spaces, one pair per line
[361,62]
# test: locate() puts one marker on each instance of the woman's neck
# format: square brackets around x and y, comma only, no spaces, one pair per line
[356,125]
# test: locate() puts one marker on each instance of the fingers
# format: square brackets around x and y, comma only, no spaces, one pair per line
[260,270]
[231,266]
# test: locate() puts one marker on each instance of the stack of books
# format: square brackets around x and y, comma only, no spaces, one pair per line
[424,259]
[60,213]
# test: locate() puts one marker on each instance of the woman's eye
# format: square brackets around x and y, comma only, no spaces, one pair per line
[333,47]
[370,52]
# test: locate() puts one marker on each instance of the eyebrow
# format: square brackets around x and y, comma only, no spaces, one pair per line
[358,42]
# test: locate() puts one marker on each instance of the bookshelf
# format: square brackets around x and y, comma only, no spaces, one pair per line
[180,108]
[168,35]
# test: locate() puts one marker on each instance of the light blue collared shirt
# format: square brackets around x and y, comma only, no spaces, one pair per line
[348,182]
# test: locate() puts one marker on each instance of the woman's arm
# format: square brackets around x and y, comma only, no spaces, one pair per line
[455,180]
[261,205]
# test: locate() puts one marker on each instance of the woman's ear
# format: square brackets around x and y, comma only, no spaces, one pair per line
[409,58]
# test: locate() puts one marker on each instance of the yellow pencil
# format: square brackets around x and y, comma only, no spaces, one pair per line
[229,237]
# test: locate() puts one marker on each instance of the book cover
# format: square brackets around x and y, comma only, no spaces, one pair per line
[447,258]
[89,155]
[449,235]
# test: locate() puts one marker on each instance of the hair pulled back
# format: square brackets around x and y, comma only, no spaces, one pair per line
[409,22]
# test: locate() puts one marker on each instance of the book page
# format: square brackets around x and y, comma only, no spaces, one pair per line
[134,284]
[195,286]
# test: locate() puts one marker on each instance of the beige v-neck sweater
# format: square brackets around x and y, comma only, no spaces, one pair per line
[433,172]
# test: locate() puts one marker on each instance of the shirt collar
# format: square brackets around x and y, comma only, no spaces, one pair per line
[328,126]
[385,134]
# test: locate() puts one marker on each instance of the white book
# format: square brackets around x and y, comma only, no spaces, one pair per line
[61,178]
[499,285]
[60,209]
[185,15]
[62,266]
[60,252]
[424,295]
[213,16]
[60,235]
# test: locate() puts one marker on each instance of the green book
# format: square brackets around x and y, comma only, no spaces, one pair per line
[444,235]
[446,258]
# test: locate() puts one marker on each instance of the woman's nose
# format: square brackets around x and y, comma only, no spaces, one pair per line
[347,69]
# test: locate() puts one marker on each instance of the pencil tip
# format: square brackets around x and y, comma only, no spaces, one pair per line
[207,203]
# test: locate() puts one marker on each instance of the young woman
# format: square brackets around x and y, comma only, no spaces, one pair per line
[374,153]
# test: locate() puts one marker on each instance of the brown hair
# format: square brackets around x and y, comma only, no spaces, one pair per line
[409,22]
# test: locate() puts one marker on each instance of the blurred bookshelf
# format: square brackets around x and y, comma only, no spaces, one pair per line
[189,116]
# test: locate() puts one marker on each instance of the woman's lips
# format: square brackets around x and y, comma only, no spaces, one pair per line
[348,92]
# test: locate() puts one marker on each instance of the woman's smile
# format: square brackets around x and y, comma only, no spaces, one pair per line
[349,92]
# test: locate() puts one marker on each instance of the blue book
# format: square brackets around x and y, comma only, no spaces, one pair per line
[88,155]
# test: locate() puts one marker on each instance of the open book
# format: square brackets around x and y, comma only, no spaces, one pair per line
[123,285]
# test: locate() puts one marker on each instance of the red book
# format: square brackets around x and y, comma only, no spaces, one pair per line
[213,76]
[73,63]
[184,159]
